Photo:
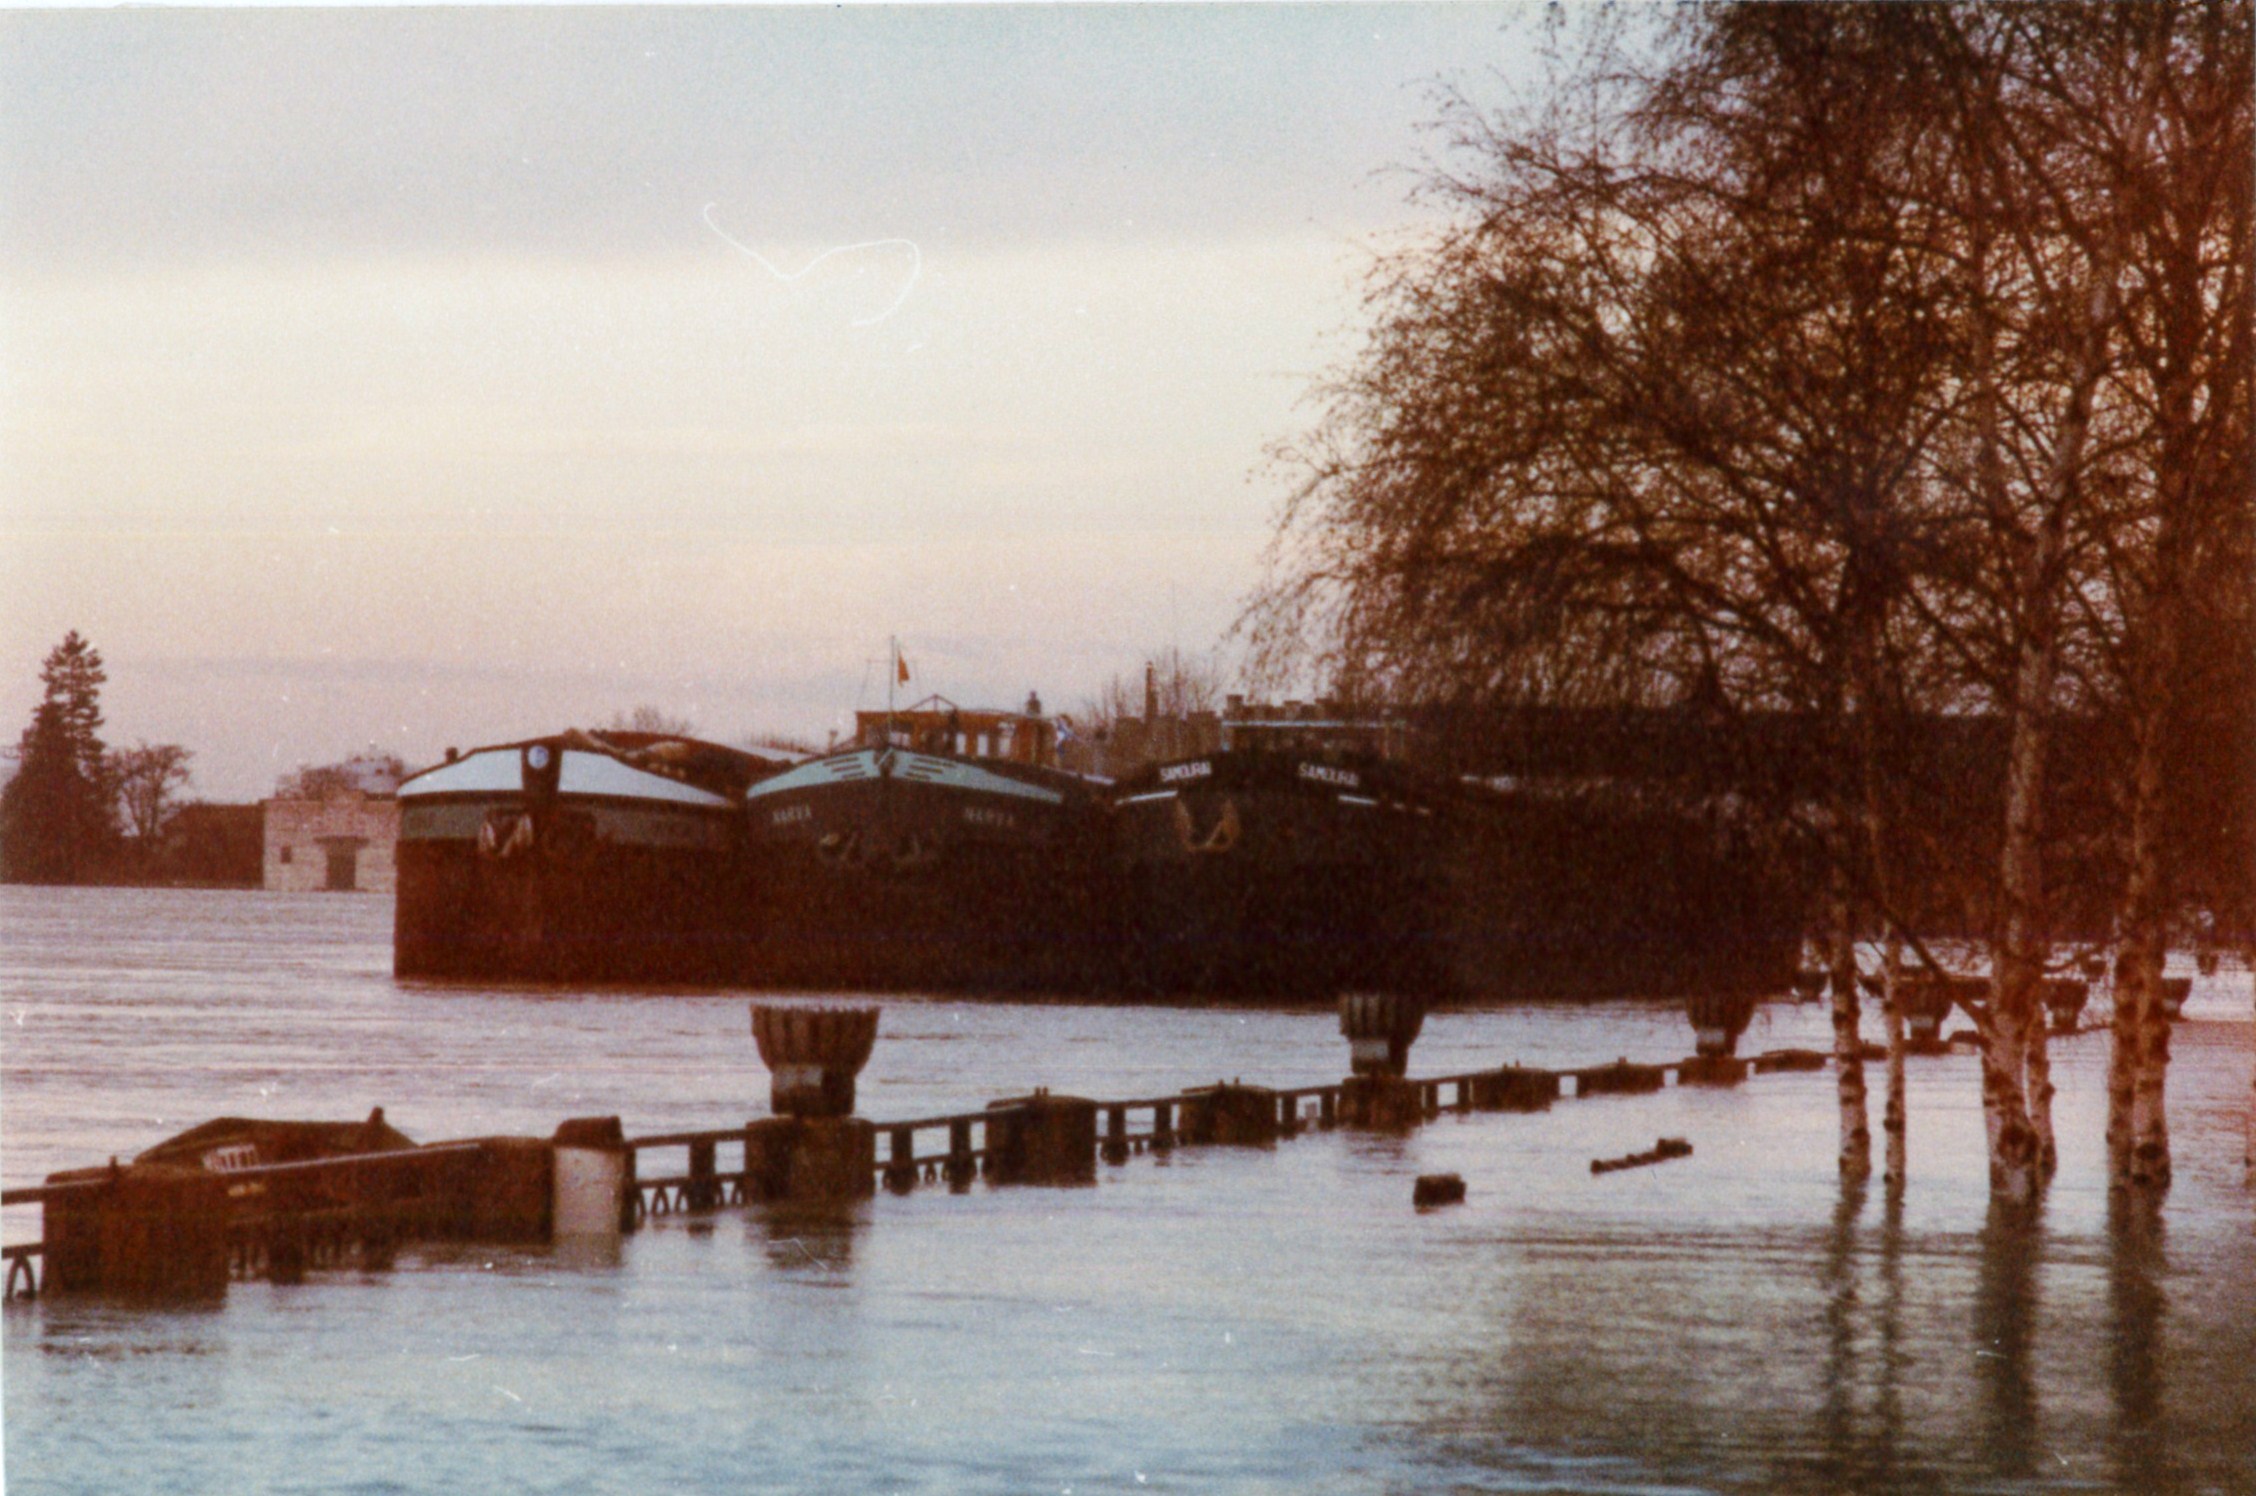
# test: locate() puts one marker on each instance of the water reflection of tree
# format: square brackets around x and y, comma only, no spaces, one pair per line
[2136,1303]
[2005,1315]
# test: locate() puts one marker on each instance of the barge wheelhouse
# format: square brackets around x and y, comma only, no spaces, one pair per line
[604,857]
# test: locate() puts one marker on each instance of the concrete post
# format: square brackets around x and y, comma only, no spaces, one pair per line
[813,1056]
[591,1178]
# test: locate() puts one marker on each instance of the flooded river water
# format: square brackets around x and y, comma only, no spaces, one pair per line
[1222,1320]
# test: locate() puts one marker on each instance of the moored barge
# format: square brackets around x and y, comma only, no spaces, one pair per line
[1284,875]
[603,857]
[942,851]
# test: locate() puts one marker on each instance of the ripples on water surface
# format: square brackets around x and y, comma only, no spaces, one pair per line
[1231,1320]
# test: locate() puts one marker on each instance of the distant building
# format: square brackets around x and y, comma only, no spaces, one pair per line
[938,725]
[335,828]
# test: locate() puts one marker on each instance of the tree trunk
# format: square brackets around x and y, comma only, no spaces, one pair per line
[1894,1116]
[2138,1143]
[1848,1042]
[2017,965]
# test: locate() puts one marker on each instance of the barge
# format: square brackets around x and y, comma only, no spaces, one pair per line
[596,857]
[942,851]
[1287,875]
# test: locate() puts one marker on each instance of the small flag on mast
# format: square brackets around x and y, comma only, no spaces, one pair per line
[901,664]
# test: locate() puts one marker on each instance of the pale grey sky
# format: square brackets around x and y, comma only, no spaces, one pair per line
[430,376]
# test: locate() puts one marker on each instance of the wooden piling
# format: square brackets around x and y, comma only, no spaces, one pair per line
[900,1166]
[501,1191]
[810,1158]
[1384,1103]
[704,1187]
[1116,1135]
[1711,1070]
[1513,1088]
[148,1229]
[1621,1078]
[1163,1126]
[962,1168]
[1437,1189]
[1231,1115]
[1042,1139]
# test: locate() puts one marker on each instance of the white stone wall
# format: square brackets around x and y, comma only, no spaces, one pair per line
[300,834]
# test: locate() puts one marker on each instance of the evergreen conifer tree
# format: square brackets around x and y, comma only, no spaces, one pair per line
[58,816]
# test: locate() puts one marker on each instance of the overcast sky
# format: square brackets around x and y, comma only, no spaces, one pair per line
[437,376]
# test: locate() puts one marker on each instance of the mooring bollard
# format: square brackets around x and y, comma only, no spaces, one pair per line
[2064,999]
[1718,1019]
[1042,1139]
[813,1055]
[1809,985]
[1380,1028]
[591,1178]
[2174,992]
[1513,1088]
[813,1148]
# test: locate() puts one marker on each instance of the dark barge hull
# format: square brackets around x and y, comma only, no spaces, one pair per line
[1268,877]
[891,870]
[1560,897]
[545,862]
